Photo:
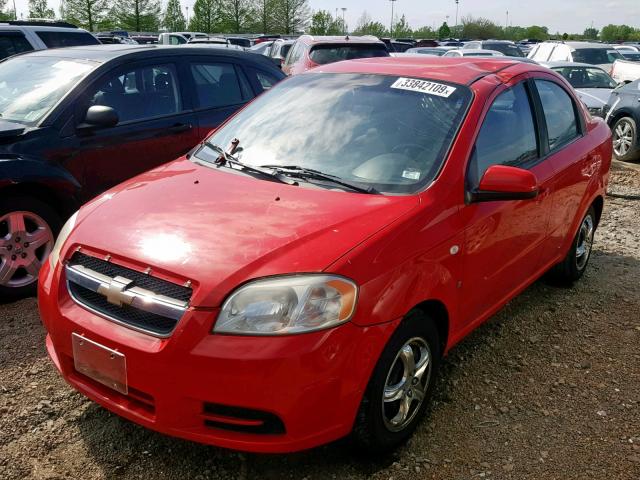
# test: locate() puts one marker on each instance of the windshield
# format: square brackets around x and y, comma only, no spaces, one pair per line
[31,86]
[586,77]
[506,48]
[322,54]
[388,133]
[632,56]
[596,56]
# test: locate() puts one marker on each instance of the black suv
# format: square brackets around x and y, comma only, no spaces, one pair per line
[77,121]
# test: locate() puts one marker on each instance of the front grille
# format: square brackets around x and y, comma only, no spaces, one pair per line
[238,419]
[142,302]
[156,285]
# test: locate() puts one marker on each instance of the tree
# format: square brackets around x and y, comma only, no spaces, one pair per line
[291,16]
[236,15]
[480,28]
[40,9]
[618,33]
[173,18]
[425,32]
[591,33]
[444,31]
[536,32]
[85,13]
[263,16]
[402,29]
[138,15]
[366,26]
[8,14]
[205,17]
[323,23]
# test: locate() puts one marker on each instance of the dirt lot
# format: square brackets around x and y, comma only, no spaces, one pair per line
[547,389]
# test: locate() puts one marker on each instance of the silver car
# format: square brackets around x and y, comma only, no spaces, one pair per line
[593,84]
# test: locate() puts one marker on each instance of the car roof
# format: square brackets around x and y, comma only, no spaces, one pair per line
[41,28]
[462,70]
[105,53]
[580,45]
[330,39]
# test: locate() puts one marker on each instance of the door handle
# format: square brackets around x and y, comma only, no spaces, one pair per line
[180,128]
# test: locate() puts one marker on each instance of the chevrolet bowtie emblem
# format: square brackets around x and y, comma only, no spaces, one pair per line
[115,291]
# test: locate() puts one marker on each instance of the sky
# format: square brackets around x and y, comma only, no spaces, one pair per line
[571,16]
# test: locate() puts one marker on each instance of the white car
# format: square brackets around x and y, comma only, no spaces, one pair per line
[473,53]
[25,36]
[580,52]
[625,71]
[626,48]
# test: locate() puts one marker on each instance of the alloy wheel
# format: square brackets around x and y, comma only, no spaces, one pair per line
[25,243]
[585,242]
[622,138]
[406,384]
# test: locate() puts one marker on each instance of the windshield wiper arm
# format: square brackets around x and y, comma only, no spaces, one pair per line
[310,173]
[229,159]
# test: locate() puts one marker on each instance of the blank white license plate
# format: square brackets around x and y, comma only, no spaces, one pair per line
[102,364]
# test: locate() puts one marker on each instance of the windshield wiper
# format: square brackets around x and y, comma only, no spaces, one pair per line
[225,158]
[309,173]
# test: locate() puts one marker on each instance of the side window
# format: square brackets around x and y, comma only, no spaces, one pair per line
[264,79]
[66,39]
[559,113]
[12,43]
[508,134]
[218,85]
[140,93]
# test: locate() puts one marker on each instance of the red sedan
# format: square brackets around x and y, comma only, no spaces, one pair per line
[298,277]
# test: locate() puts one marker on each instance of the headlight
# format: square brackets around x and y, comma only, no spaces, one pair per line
[285,305]
[54,256]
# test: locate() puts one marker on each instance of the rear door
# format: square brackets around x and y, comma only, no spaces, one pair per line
[155,126]
[219,87]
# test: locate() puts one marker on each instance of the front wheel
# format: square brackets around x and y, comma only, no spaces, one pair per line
[400,386]
[27,234]
[625,139]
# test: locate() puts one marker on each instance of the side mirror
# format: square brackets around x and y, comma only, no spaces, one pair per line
[501,182]
[100,116]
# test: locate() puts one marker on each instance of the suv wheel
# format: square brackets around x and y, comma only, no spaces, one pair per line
[400,386]
[625,139]
[27,234]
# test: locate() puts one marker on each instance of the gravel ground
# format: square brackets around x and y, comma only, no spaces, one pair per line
[548,388]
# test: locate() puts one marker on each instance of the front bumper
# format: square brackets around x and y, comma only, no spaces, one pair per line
[313,383]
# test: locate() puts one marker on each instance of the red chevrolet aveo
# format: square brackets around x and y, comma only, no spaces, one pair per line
[298,276]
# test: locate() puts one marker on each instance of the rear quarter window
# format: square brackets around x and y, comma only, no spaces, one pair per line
[12,43]
[66,39]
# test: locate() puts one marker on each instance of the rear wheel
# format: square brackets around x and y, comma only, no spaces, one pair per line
[27,234]
[575,263]
[400,386]
[625,139]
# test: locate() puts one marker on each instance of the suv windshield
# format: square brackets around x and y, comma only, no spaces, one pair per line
[30,86]
[586,77]
[506,48]
[322,54]
[596,56]
[387,133]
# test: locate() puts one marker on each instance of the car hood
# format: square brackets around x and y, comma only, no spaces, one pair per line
[219,229]
[10,129]
[594,97]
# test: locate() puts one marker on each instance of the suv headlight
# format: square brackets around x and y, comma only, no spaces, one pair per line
[54,256]
[286,305]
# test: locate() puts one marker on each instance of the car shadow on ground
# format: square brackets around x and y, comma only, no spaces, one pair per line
[123,448]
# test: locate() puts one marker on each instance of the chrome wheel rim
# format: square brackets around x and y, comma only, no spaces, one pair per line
[406,384]
[26,241]
[622,138]
[585,242]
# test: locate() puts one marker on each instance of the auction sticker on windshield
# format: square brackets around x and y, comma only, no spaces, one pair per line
[423,86]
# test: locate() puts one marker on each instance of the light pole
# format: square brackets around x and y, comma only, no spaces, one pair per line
[344,25]
[457,2]
[391,24]
[15,12]
[187,7]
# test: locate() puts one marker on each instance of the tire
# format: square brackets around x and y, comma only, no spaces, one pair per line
[575,263]
[625,140]
[374,430]
[28,228]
